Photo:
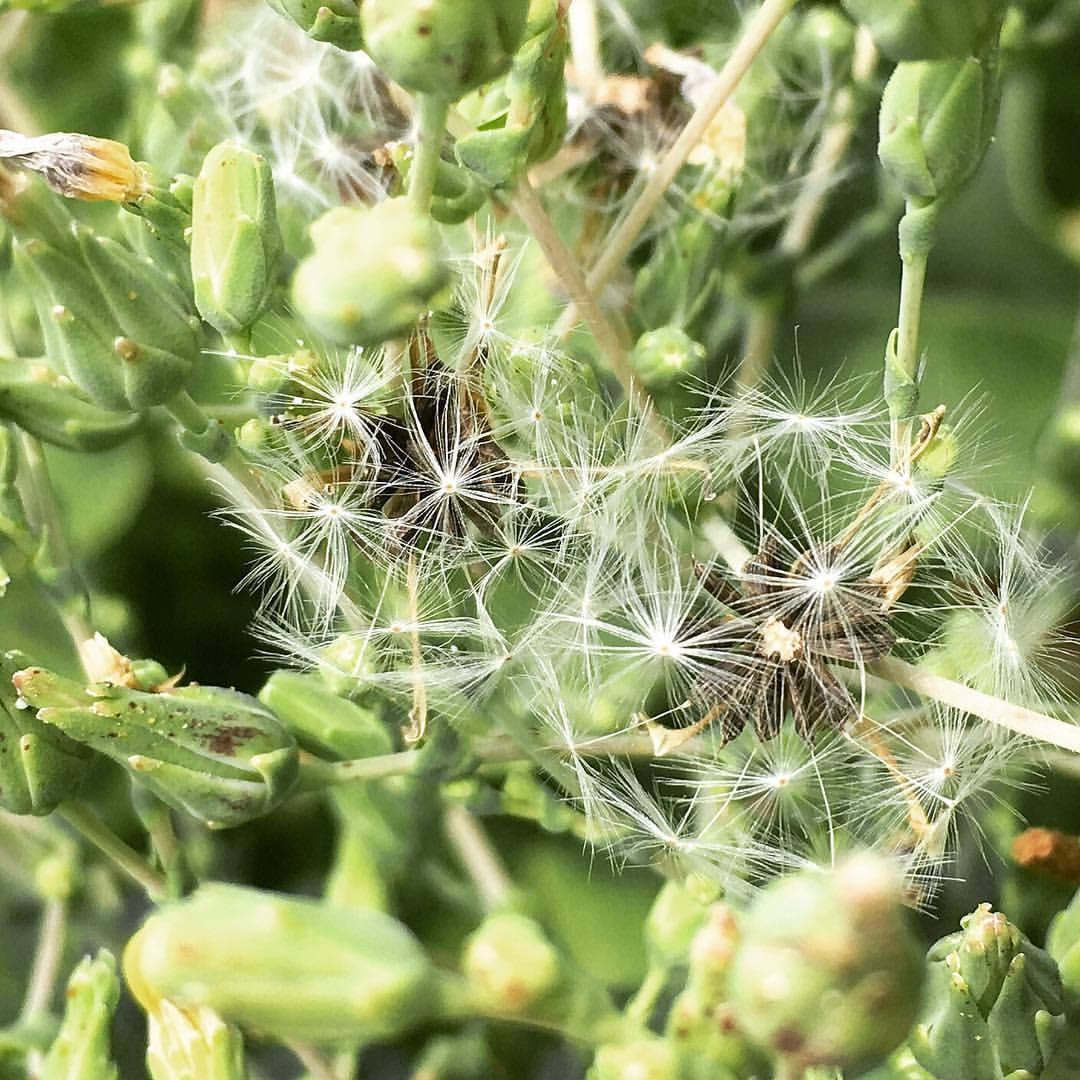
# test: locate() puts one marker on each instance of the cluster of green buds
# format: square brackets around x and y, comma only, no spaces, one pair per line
[993,1005]
[372,274]
[158,227]
[213,753]
[522,119]
[286,967]
[39,765]
[827,972]
[235,238]
[336,22]
[928,29]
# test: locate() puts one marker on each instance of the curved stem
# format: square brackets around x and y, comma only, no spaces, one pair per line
[431,126]
[86,822]
[478,856]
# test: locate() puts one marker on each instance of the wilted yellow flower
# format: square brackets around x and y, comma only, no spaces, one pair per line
[78,166]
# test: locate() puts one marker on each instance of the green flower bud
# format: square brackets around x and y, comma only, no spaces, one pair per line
[673,920]
[336,22]
[81,1050]
[642,1059]
[212,753]
[928,29]
[372,274]
[524,120]
[663,356]
[444,48]
[322,722]
[235,239]
[510,964]
[192,1044]
[289,968]
[937,120]
[711,953]
[827,971]
[994,1004]
[39,766]
[51,409]
[114,324]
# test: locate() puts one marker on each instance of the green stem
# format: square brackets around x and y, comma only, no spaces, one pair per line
[431,127]
[641,1006]
[917,228]
[47,958]
[478,856]
[86,822]
[188,413]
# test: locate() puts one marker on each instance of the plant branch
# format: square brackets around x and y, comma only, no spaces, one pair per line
[47,958]
[431,126]
[1016,718]
[622,238]
[478,856]
[531,210]
[86,822]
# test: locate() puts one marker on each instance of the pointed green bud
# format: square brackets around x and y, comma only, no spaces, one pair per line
[372,274]
[215,754]
[322,722]
[510,964]
[444,48]
[523,120]
[235,238]
[39,766]
[994,1003]
[663,356]
[928,29]
[289,968]
[641,1059]
[336,22]
[192,1044]
[51,409]
[828,971]
[81,1050]
[937,120]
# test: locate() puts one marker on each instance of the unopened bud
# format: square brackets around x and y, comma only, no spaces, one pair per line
[937,120]
[209,752]
[443,47]
[642,1059]
[290,968]
[827,971]
[663,356]
[235,239]
[510,964]
[372,274]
